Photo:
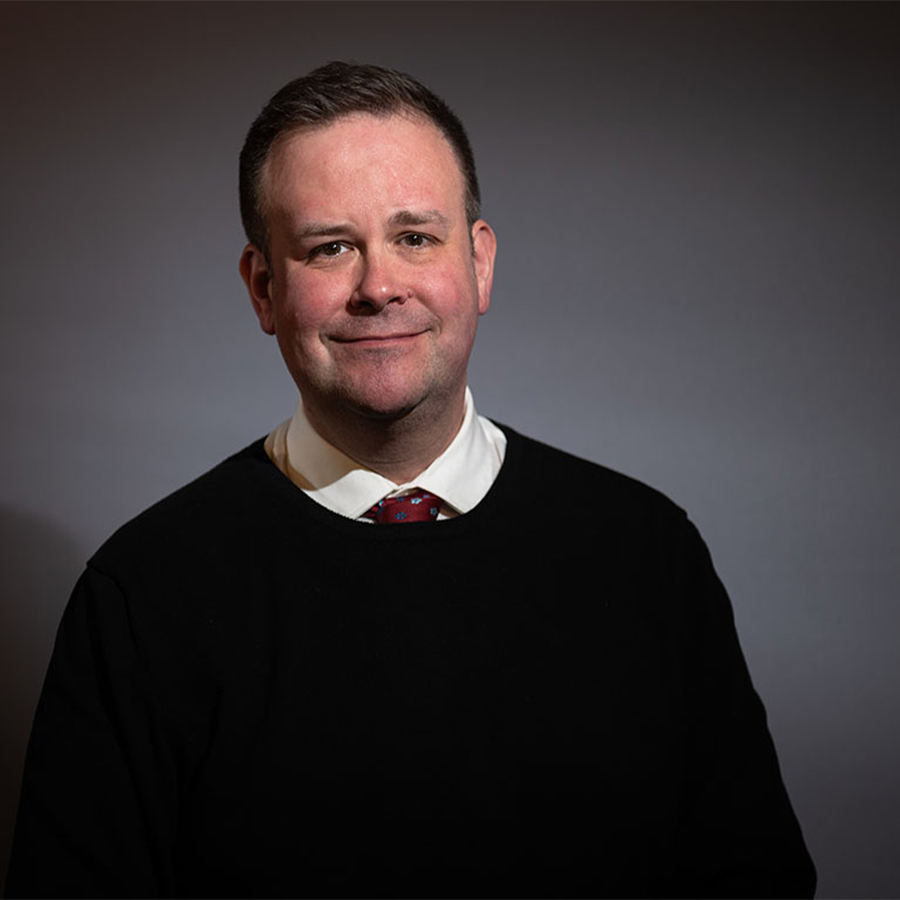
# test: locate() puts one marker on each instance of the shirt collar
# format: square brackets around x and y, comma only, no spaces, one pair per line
[460,476]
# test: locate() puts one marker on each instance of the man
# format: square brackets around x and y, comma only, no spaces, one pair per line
[531,688]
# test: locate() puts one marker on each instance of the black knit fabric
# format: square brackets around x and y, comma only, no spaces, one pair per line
[249,696]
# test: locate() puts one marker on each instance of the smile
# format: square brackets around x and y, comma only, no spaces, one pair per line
[378,340]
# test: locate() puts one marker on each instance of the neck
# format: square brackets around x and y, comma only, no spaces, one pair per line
[399,448]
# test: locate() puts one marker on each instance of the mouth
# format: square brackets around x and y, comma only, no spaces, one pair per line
[378,340]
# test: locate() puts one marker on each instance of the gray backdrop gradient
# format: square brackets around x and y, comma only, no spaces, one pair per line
[698,209]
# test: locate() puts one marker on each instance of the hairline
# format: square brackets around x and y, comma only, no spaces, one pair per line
[402,110]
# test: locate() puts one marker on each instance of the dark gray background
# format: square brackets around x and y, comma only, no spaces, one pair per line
[698,213]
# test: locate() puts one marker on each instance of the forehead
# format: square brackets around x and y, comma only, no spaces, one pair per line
[395,160]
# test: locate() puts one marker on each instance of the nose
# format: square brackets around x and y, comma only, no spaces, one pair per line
[379,284]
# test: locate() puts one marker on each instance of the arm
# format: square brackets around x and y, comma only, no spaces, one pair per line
[98,807]
[739,836]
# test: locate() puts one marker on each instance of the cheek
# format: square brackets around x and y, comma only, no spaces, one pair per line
[449,290]
[307,303]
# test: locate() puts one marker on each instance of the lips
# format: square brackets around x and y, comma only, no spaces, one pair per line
[376,338]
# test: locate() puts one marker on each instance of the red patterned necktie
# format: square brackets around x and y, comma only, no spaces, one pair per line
[417,506]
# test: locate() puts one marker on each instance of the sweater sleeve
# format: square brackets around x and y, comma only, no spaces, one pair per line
[739,836]
[98,806]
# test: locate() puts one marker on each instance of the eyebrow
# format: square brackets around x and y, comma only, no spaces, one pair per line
[321,229]
[408,218]
[404,218]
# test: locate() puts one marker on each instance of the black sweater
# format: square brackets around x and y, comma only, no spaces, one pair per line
[252,696]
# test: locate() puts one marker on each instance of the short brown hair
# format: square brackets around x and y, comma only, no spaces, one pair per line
[325,95]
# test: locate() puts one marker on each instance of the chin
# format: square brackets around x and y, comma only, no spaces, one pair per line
[389,394]
[383,412]
[383,402]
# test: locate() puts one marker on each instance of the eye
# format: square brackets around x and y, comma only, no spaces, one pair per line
[415,240]
[329,250]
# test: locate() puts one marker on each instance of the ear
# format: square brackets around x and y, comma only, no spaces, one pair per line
[484,249]
[255,272]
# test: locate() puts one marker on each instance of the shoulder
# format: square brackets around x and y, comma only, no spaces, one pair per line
[212,511]
[642,558]
[604,491]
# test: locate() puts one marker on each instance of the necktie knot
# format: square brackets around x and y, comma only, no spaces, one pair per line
[416,506]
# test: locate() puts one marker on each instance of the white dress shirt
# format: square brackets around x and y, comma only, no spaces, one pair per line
[460,476]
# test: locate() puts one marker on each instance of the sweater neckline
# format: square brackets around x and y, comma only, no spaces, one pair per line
[499,493]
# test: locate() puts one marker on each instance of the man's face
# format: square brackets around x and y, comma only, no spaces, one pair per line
[375,282]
